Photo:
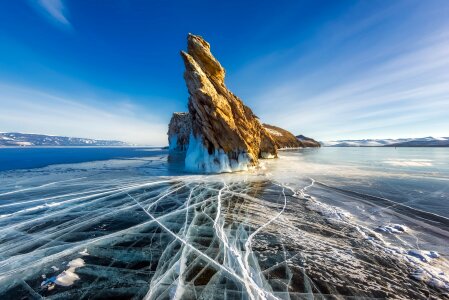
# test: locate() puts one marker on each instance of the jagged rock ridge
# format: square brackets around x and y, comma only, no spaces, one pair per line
[225,135]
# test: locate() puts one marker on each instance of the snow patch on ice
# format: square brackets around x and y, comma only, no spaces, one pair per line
[76,263]
[68,277]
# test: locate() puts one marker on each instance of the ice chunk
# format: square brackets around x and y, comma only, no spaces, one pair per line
[67,278]
[392,228]
[84,252]
[76,263]
[400,227]
[430,278]
[418,254]
[433,254]
[425,256]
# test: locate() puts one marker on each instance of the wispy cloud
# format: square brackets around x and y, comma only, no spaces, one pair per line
[34,111]
[393,88]
[54,10]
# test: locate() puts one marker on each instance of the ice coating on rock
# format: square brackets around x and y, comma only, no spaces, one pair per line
[199,159]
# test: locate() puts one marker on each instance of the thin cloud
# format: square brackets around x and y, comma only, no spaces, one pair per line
[53,10]
[400,89]
[34,111]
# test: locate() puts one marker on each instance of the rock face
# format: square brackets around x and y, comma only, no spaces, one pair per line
[179,131]
[282,137]
[308,142]
[226,136]
[219,133]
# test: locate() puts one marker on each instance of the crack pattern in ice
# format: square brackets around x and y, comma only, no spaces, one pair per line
[197,237]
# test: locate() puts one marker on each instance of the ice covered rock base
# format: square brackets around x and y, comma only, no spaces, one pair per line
[179,131]
[198,159]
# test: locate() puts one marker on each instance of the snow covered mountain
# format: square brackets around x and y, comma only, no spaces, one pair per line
[28,139]
[405,142]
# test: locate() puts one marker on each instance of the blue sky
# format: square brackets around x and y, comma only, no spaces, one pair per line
[326,69]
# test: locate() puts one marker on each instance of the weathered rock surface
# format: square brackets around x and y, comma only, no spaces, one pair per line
[283,138]
[226,135]
[179,131]
[219,133]
[308,142]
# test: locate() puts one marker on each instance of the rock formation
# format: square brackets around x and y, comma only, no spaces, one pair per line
[282,137]
[179,131]
[226,135]
[220,133]
[307,142]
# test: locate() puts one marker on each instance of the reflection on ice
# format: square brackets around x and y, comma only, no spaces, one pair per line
[409,163]
[257,235]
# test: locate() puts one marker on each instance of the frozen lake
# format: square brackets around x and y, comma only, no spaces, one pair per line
[123,223]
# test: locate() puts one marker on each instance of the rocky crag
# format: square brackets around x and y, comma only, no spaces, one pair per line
[179,131]
[220,133]
[307,142]
[283,138]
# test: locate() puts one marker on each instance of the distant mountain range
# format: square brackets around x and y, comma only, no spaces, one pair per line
[410,142]
[27,139]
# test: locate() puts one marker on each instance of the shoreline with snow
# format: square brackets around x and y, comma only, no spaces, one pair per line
[402,142]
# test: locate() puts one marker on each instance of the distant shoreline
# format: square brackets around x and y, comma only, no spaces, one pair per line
[166,147]
[84,147]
